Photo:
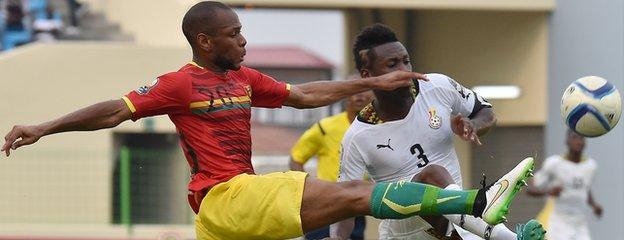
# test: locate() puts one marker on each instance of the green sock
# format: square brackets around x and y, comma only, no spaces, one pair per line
[405,199]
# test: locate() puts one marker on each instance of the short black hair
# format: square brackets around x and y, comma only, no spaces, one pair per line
[198,18]
[370,37]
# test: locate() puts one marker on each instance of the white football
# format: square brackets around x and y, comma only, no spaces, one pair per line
[591,106]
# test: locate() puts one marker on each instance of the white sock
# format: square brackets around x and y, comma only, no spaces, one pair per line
[478,226]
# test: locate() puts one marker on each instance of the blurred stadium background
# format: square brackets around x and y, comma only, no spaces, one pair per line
[130,182]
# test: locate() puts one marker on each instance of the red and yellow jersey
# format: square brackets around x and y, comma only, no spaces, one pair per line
[212,115]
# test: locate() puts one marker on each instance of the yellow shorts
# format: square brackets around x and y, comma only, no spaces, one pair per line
[253,207]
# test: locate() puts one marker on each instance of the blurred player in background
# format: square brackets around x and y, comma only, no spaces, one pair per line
[323,141]
[209,101]
[406,134]
[567,180]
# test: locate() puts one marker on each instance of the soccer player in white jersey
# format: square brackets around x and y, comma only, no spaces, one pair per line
[567,179]
[406,134]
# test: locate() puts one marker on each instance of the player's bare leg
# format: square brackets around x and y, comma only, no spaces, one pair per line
[325,202]
[437,176]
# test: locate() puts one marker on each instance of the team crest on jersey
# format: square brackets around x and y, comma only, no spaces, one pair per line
[145,89]
[248,90]
[435,121]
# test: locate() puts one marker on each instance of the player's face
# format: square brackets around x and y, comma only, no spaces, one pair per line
[389,57]
[576,143]
[358,101]
[228,42]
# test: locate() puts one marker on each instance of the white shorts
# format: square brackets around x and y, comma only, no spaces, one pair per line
[405,229]
[566,227]
[415,228]
[465,234]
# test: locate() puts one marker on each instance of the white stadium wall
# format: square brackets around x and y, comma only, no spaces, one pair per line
[483,48]
[152,23]
[587,38]
[67,178]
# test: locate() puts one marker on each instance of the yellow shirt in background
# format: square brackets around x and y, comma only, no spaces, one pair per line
[323,140]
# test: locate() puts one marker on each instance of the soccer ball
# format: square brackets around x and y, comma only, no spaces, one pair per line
[591,106]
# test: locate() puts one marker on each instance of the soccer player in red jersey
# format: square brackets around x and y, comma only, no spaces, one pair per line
[209,101]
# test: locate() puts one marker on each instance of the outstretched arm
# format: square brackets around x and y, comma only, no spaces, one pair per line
[535,191]
[295,166]
[98,116]
[595,206]
[322,93]
[483,121]
[470,129]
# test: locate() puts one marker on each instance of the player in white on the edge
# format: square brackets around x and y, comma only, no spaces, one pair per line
[406,134]
[567,178]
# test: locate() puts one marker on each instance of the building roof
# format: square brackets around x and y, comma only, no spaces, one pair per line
[272,140]
[500,5]
[283,57]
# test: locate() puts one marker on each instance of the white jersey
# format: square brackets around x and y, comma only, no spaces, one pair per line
[575,180]
[398,150]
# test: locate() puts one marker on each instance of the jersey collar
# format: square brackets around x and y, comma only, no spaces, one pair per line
[205,70]
[566,157]
[369,114]
[196,65]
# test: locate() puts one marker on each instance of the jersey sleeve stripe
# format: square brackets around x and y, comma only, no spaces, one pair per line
[129,104]
[478,105]
[288,86]
[321,128]
[219,102]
